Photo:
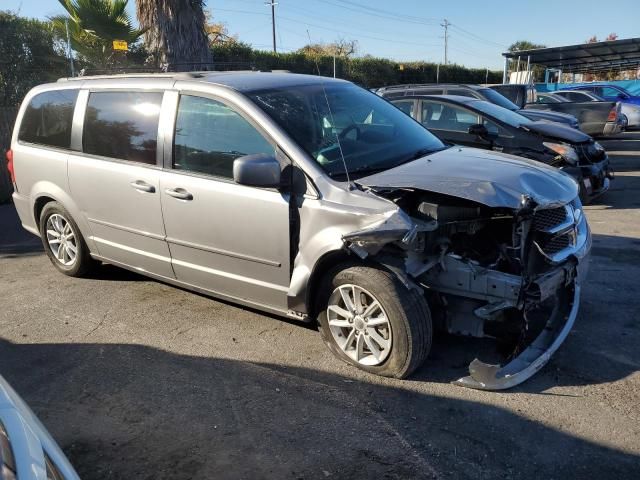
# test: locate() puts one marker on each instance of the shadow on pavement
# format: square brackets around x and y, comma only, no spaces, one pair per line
[128,411]
[14,240]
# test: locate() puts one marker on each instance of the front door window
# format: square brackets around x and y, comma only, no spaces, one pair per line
[210,136]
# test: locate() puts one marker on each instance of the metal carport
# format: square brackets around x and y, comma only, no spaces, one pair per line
[583,58]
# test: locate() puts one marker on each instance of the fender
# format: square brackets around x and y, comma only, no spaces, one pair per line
[48,189]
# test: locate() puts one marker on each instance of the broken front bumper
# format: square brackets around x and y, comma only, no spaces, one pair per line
[596,179]
[484,376]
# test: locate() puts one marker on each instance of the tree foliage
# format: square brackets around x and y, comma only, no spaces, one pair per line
[175,34]
[93,26]
[537,71]
[339,48]
[524,45]
[30,55]
[217,32]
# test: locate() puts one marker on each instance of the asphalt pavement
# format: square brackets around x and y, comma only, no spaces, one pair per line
[140,380]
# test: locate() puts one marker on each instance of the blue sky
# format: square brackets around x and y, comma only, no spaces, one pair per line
[410,29]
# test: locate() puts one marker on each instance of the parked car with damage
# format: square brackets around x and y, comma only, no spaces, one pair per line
[479,92]
[596,119]
[27,451]
[480,124]
[310,198]
[629,112]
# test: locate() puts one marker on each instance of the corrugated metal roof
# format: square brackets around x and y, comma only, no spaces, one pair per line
[586,57]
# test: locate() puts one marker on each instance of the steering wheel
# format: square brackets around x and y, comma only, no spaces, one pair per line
[346,131]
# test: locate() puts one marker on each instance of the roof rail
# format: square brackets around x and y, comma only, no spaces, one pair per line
[177,75]
[406,86]
[117,75]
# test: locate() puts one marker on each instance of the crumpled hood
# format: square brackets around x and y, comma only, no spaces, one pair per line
[486,177]
[558,131]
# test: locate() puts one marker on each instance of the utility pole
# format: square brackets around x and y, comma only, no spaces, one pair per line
[446,25]
[272,4]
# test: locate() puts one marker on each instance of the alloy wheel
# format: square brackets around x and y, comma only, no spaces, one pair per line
[62,240]
[359,325]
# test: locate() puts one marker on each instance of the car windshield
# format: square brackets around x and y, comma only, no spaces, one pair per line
[498,99]
[502,114]
[335,120]
[550,98]
[595,96]
[621,90]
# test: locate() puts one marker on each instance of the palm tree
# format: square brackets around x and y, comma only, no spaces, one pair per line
[175,33]
[93,26]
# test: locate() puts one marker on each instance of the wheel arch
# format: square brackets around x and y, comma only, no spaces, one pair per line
[324,265]
[43,193]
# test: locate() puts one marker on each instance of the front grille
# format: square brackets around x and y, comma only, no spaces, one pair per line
[545,220]
[556,244]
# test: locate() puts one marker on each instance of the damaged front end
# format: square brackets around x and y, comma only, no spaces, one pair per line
[512,274]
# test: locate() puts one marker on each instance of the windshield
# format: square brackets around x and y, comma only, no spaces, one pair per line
[551,98]
[505,116]
[343,119]
[498,99]
[621,89]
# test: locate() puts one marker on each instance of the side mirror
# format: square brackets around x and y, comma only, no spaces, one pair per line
[622,96]
[259,170]
[478,130]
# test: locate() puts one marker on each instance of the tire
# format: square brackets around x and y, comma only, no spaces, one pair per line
[409,325]
[61,257]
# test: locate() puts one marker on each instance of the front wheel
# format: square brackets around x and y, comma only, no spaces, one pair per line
[369,319]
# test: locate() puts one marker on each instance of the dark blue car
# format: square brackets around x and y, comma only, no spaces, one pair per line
[609,92]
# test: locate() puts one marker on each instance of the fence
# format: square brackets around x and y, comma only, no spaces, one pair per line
[7,118]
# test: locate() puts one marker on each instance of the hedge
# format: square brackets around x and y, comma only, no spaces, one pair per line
[369,72]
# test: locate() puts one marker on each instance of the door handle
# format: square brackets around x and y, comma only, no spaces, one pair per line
[179,193]
[143,186]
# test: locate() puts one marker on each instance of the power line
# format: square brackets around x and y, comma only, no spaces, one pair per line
[476,37]
[298,21]
[318,16]
[387,15]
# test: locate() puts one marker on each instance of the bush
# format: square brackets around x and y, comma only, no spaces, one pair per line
[369,72]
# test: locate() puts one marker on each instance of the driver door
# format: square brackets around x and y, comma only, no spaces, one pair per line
[225,238]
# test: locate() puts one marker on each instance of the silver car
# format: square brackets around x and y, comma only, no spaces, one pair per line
[310,198]
[27,451]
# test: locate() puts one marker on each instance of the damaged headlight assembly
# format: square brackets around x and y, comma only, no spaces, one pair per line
[567,152]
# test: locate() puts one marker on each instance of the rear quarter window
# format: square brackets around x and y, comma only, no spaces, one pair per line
[47,119]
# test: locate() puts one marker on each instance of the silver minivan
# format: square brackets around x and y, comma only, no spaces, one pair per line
[310,198]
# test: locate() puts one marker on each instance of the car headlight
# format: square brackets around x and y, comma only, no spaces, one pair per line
[7,460]
[567,152]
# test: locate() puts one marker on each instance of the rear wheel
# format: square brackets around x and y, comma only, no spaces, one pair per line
[369,319]
[63,241]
